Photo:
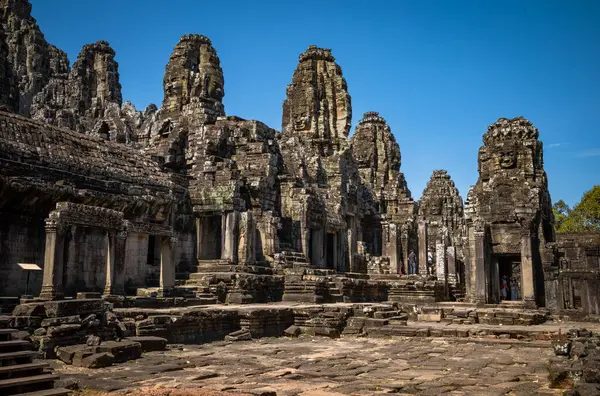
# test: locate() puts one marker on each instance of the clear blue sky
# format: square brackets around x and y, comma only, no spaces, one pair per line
[439,71]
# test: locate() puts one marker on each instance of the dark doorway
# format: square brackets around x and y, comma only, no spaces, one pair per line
[330,249]
[153,261]
[509,271]
[210,238]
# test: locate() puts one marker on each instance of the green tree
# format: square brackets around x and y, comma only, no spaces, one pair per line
[561,212]
[584,217]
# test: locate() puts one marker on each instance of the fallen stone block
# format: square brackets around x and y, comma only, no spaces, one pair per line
[93,340]
[55,309]
[74,319]
[81,354]
[56,331]
[150,343]
[98,360]
[429,317]
[240,335]
[29,309]
[123,351]
[292,331]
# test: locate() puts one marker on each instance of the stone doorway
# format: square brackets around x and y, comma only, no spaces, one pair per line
[210,237]
[510,266]
[329,254]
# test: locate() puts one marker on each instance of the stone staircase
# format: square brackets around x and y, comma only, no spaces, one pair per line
[19,375]
[290,259]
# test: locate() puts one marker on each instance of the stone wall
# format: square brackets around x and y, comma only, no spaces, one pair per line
[575,285]
[21,241]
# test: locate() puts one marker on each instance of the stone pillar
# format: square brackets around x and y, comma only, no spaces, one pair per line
[52,287]
[305,241]
[527,275]
[440,261]
[199,238]
[390,247]
[167,266]
[336,265]
[405,242]
[422,248]
[230,238]
[115,264]
[480,283]
[317,248]
[247,246]
[352,243]
[451,260]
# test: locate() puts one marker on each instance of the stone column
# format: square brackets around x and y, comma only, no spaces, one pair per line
[115,264]
[390,247]
[440,261]
[199,238]
[167,266]
[422,248]
[480,283]
[231,237]
[305,241]
[352,242]
[52,287]
[247,246]
[451,260]
[336,265]
[317,248]
[405,242]
[527,275]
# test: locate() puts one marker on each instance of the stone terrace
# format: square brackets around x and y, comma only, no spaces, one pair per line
[347,366]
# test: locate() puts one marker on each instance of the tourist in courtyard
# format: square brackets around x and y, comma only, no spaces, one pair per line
[429,263]
[514,289]
[503,287]
[412,263]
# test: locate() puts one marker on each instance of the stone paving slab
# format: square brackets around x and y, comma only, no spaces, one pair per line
[346,366]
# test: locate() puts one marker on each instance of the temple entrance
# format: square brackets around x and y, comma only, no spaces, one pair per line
[329,254]
[509,272]
[152,273]
[210,241]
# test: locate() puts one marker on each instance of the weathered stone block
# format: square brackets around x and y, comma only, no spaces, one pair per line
[149,343]
[293,331]
[55,309]
[122,350]
[97,360]
[61,321]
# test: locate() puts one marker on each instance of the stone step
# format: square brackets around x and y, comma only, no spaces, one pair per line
[15,346]
[21,370]
[35,379]
[5,334]
[5,321]
[19,355]
[49,392]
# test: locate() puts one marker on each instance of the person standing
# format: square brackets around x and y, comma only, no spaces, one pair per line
[412,263]
[514,289]
[503,287]
[429,263]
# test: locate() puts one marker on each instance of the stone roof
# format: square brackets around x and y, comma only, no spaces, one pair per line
[83,160]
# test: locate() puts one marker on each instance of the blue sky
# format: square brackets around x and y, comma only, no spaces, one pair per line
[438,71]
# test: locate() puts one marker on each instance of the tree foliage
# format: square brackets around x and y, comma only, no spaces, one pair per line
[584,217]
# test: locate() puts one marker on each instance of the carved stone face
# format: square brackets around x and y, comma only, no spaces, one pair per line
[507,158]
[301,117]
[214,87]
[436,207]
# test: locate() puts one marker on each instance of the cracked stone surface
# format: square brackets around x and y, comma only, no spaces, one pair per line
[347,366]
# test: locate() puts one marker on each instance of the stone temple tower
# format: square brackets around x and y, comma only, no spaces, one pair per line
[509,214]
[317,106]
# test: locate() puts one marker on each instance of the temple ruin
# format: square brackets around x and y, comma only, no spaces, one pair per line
[183,200]
[185,205]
